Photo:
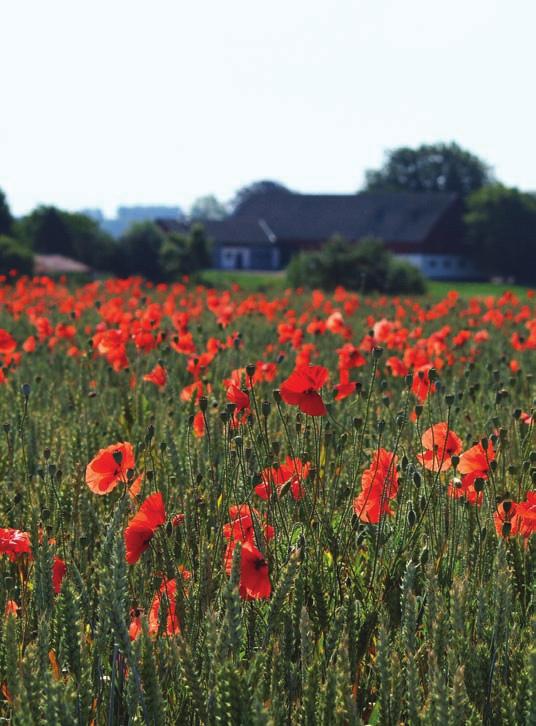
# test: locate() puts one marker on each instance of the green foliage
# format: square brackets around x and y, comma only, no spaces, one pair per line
[365,266]
[52,231]
[250,191]
[140,249]
[6,219]
[430,168]
[207,208]
[501,231]
[14,256]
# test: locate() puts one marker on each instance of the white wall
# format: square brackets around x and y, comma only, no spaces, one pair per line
[443,267]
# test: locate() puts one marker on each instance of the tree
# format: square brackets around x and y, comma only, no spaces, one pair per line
[140,249]
[6,220]
[14,256]
[252,190]
[184,254]
[430,168]
[173,256]
[365,266]
[501,231]
[207,209]
[48,230]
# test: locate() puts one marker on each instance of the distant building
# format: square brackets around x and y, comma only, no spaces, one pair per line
[127,216]
[58,265]
[268,229]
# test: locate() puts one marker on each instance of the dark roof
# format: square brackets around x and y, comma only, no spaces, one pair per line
[402,217]
[392,216]
[227,231]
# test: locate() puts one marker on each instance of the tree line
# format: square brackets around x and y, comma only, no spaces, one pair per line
[499,221]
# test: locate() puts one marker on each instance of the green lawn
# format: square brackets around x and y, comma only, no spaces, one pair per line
[276,282]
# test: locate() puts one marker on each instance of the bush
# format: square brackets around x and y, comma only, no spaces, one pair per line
[367,266]
[14,256]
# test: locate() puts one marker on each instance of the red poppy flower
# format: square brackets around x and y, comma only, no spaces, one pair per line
[109,467]
[465,487]
[440,444]
[291,473]
[143,525]
[301,389]
[7,342]
[165,598]
[158,376]
[254,575]
[59,568]
[475,462]
[199,424]
[13,543]
[379,485]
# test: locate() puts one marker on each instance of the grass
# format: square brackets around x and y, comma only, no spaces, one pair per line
[274,282]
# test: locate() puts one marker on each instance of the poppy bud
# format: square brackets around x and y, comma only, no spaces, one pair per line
[150,433]
[265,408]
[455,460]
[381,426]
[412,518]
[45,514]
[483,533]
[52,469]
[46,454]
[250,370]
[404,463]
[493,465]
[424,557]
[203,403]
[26,388]
[484,442]
[418,410]
[408,380]
[449,399]
[417,479]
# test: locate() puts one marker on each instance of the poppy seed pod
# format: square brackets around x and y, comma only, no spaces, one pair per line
[118,457]
[26,389]
[277,395]
[250,370]
[449,399]
[418,410]
[266,408]
[455,460]
[203,403]
[479,484]
[377,352]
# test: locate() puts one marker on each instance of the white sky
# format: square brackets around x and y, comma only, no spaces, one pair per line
[108,102]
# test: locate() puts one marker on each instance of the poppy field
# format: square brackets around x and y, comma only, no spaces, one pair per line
[222,507]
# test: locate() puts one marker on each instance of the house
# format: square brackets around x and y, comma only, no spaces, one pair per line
[59,265]
[269,228]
